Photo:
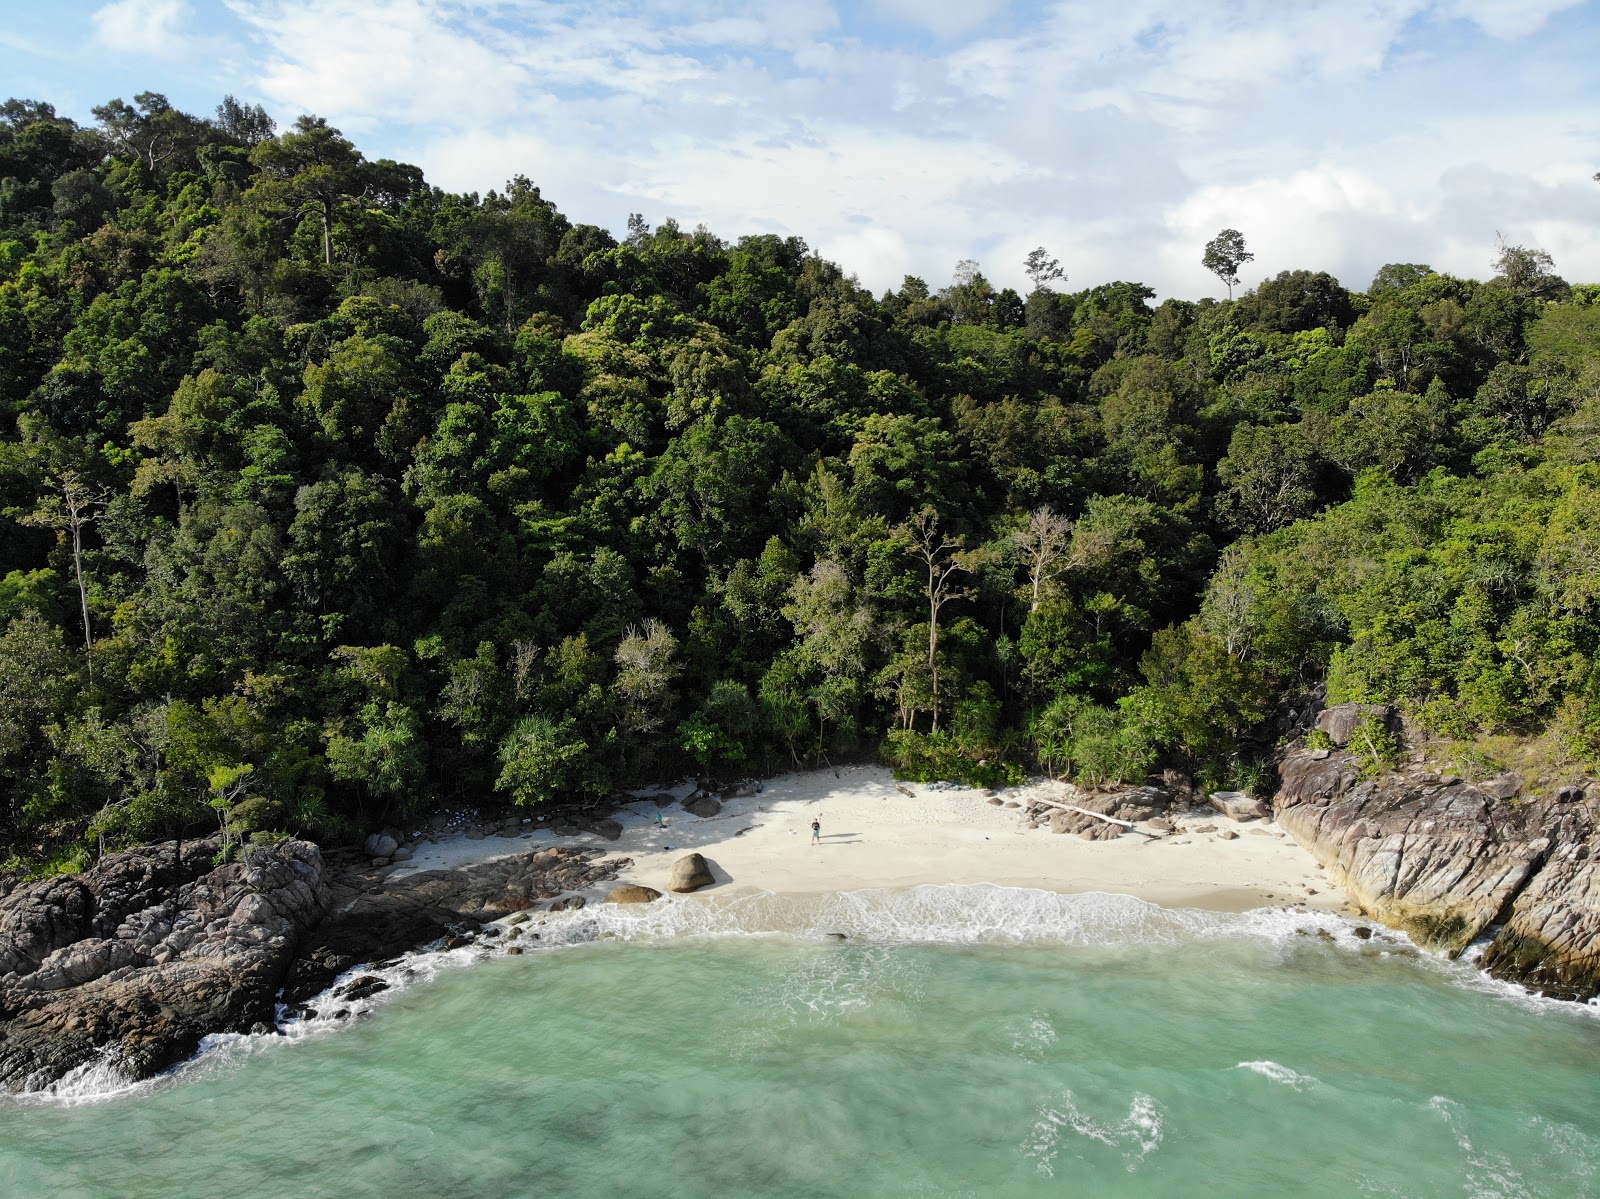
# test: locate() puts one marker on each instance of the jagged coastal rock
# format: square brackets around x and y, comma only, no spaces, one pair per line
[373,915]
[1448,861]
[131,963]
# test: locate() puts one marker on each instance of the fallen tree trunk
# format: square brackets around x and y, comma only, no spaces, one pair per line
[1067,807]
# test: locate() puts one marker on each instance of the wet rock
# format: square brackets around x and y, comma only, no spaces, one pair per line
[374,917]
[363,987]
[134,961]
[631,893]
[1444,864]
[690,873]
[514,951]
[1362,932]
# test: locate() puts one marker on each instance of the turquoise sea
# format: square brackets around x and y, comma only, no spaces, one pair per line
[959,1041]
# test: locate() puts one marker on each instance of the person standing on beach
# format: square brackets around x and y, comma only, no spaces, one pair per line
[816,829]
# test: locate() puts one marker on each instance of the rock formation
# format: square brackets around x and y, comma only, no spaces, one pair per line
[373,915]
[130,964]
[1449,862]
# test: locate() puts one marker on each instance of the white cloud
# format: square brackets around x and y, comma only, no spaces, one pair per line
[1508,18]
[155,28]
[1337,134]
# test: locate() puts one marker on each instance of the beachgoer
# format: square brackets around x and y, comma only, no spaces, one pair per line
[661,821]
[816,829]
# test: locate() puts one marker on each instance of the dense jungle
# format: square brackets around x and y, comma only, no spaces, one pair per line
[330,497]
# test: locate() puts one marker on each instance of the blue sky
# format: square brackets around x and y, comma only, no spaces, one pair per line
[898,136]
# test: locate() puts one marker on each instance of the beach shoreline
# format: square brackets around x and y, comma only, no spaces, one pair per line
[879,833]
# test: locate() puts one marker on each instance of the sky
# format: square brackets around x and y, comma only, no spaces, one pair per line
[900,136]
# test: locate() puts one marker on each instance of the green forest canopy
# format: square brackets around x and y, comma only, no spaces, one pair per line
[329,497]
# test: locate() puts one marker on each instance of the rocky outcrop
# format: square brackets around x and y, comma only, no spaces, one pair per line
[130,964]
[1449,862]
[374,915]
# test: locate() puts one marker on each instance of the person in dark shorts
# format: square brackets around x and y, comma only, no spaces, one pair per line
[816,829]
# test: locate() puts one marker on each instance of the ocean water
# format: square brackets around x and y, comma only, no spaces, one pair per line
[960,1041]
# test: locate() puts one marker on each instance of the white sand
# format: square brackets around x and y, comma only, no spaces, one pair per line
[874,835]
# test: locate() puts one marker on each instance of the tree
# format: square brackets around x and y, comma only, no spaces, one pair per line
[319,165]
[76,505]
[943,557]
[1270,477]
[1527,271]
[1042,269]
[1225,254]
[540,759]
[1044,540]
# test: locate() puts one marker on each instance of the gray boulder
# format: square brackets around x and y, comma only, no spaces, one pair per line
[632,893]
[1236,805]
[700,804]
[1446,864]
[690,873]
[381,845]
[1340,721]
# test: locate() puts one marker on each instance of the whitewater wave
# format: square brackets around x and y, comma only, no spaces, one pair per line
[1135,1136]
[947,914]
[1278,1073]
[880,919]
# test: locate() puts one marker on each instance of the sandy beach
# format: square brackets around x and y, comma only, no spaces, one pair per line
[874,834]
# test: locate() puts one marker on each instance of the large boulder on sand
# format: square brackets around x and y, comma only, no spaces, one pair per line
[702,805]
[690,873]
[632,893]
[382,845]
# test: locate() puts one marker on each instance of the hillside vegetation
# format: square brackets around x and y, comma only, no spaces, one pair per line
[330,496]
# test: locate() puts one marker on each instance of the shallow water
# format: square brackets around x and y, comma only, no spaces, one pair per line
[961,1042]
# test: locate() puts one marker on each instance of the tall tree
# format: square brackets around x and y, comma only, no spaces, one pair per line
[1225,254]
